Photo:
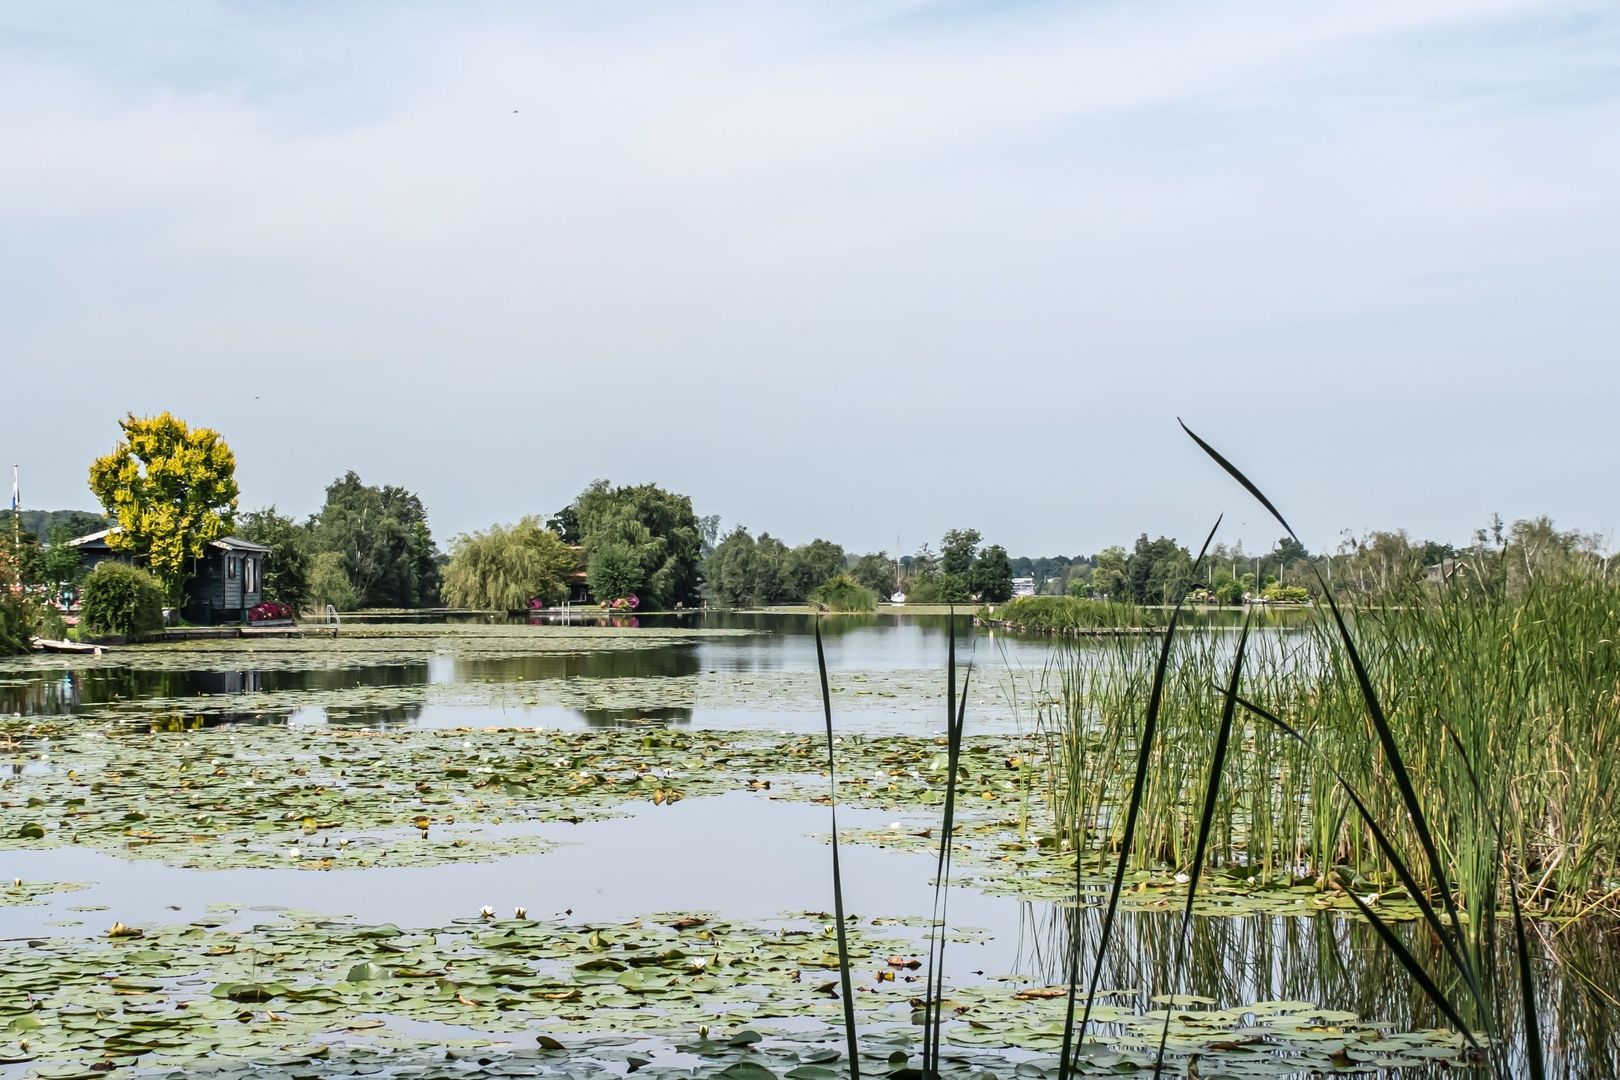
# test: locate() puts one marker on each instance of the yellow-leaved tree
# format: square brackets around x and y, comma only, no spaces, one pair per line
[169,490]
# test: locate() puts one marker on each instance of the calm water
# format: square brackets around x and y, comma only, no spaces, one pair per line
[742,854]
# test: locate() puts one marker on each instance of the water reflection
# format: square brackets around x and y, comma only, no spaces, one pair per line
[1336,963]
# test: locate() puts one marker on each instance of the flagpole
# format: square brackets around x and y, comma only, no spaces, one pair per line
[16,526]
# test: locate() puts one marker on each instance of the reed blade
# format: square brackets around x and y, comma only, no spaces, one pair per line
[955,720]
[1387,848]
[1386,736]
[1217,766]
[837,873]
[1071,1035]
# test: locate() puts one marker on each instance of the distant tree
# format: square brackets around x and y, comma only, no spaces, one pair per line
[286,571]
[383,535]
[329,583]
[731,570]
[1108,573]
[506,566]
[59,563]
[565,523]
[876,572]
[993,576]
[810,565]
[655,540]
[170,490]
[616,573]
[957,550]
[1157,572]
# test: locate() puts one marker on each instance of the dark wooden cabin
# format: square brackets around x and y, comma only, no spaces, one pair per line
[224,584]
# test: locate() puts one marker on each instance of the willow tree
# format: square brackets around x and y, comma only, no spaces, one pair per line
[169,491]
[506,566]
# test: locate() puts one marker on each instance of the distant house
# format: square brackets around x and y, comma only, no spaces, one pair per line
[223,586]
[1023,586]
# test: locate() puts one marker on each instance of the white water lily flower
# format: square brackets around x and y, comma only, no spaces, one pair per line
[1182,879]
[520,913]
[292,853]
[486,912]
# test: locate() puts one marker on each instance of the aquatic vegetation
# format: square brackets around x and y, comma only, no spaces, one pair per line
[1070,615]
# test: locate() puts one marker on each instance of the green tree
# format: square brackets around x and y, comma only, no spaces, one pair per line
[957,550]
[565,523]
[506,566]
[1157,572]
[616,573]
[811,565]
[286,571]
[993,576]
[655,539]
[1108,572]
[876,572]
[382,534]
[329,584]
[169,490]
[60,564]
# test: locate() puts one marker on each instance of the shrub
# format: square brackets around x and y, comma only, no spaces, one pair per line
[269,610]
[121,599]
[15,621]
[844,593]
[1286,594]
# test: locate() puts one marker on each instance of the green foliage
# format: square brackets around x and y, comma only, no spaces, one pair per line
[121,599]
[615,573]
[876,572]
[329,583]
[44,525]
[287,569]
[1278,593]
[16,621]
[844,593]
[811,565]
[743,572]
[60,564]
[382,534]
[1068,614]
[957,551]
[1157,572]
[654,541]
[170,490]
[505,567]
[1078,587]
[992,575]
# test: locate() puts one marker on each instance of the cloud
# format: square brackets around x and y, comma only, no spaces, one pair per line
[743,224]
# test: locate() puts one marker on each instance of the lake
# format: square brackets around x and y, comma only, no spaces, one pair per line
[424,847]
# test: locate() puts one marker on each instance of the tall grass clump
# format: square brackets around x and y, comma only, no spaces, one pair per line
[1517,694]
[1399,757]
[1069,615]
[843,593]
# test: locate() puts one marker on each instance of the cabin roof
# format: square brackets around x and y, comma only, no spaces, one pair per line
[236,543]
[224,543]
[90,538]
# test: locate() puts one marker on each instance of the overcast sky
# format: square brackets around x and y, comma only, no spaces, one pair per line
[862,270]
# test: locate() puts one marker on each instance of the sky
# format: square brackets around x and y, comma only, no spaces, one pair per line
[866,271]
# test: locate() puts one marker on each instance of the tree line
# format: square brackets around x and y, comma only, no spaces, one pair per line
[170,489]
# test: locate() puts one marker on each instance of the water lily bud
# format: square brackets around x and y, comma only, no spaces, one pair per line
[703,1031]
[520,913]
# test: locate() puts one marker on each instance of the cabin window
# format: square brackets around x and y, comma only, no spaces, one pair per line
[230,566]
[250,574]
